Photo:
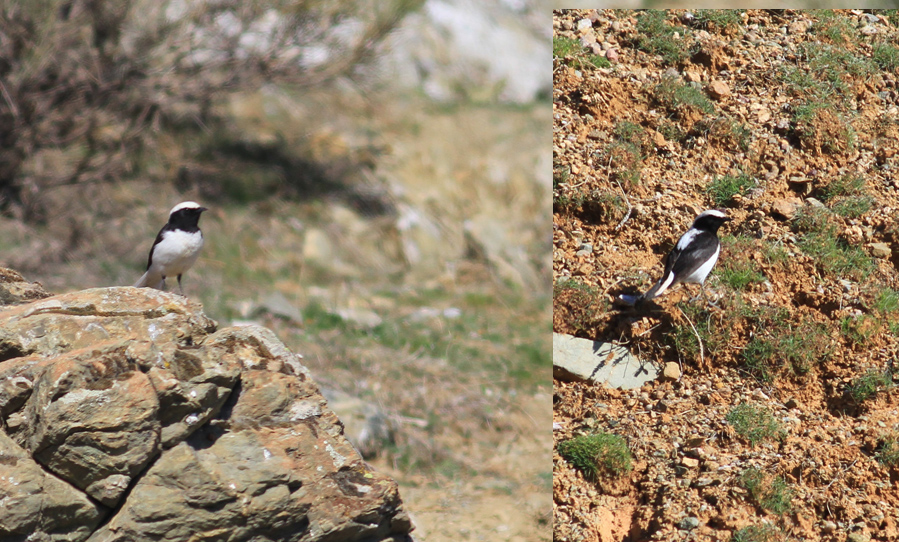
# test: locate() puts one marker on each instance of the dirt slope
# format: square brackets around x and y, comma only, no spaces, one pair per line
[787,120]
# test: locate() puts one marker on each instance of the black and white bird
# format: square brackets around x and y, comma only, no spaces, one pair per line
[176,247]
[694,256]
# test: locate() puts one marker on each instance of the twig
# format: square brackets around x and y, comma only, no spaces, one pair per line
[8,98]
[627,215]
[837,477]
[698,338]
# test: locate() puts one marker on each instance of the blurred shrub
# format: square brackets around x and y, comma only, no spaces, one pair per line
[87,87]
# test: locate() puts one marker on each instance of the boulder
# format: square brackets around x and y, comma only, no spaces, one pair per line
[125,414]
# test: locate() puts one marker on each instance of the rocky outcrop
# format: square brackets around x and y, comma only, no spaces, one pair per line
[126,415]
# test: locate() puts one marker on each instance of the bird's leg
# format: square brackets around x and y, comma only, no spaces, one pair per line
[180,289]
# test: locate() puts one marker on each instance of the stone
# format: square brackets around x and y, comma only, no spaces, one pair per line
[14,289]
[671,371]
[576,359]
[689,462]
[786,208]
[36,502]
[718,90]
[688,523]
[881,250]
[180,430]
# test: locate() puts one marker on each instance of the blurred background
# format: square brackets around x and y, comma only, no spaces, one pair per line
[378,179]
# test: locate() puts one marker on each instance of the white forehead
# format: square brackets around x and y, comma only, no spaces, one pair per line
[712,212]
[189,205]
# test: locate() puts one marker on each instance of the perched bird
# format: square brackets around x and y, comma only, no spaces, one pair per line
[694,256]
[176,247]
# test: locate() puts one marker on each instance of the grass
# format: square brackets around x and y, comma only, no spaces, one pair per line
[754,423]
[886,301]
[758,533]
[720,19]
[624,161]
[868,385]
[740,274]
[723,189]
[778,343]
[888,451]
[771,493]
[677,96]
[598,454]
[821,241]
[818,126]
[580,300]
[860,328]
[885,55]
[834,27]
[847,196]
[656,37]
[570,52]
[714,333]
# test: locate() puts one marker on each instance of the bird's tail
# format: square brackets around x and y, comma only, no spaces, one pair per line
[659,288]
[148,281]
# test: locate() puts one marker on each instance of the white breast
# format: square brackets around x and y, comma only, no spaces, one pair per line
[703,271]
[177,252]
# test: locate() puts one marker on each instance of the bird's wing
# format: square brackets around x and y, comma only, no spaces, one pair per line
[685,264]
[156,242]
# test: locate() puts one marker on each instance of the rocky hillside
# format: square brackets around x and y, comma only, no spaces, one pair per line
[779,418]
[126,415]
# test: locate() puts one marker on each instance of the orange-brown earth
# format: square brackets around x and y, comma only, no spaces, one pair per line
[801,103]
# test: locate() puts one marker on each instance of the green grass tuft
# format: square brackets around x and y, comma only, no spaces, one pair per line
[870,384]
[754,423]
[676,96]
[656,37]
[772,494]
[595,455]
[888,451]
[723,189]
[758,533]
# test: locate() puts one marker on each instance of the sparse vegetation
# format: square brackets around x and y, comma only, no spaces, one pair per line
[868,385]
[571,52]
[886,55]
[679,97]
[888,450]
[758,533]
[597,455]
[719,19]
[771,493]
[754,423]
[656,37]
[585,302]
[821,241]
[723,189]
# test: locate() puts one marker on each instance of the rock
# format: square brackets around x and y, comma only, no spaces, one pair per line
[786,208]
[881,250]
[858,537]
[14,289]
[36,502]
[180,430]
[612,55]
[584,24]
[814,202]
[688,523]
[278,305]
[671,371]
[689,462]
[718,90]
[366,425]
[576,359]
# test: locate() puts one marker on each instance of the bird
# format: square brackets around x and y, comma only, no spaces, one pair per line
[694,256]
[176,248]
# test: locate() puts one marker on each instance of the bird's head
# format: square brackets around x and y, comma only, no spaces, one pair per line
[710,220]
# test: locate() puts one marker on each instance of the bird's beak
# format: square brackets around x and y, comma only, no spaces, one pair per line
[201,209]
